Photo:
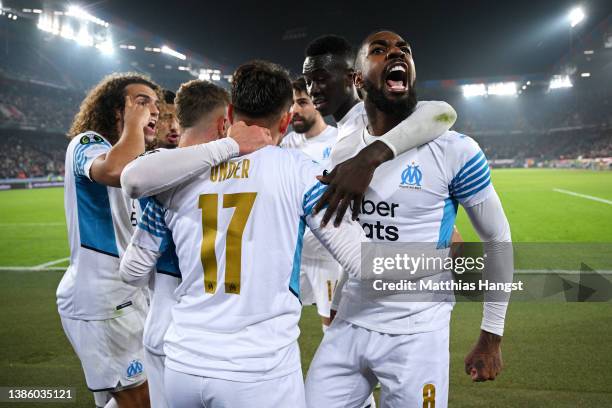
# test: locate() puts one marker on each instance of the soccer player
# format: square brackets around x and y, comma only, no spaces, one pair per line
[167,130]
[233,336]
[404,345]
[102,316]
[201,111]
[319,271]
[328,70]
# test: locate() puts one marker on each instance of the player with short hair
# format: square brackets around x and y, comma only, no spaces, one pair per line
[102,316]
[328,70]
[238,229]
[404,345]
[167,134]
[319,271]
[201,111]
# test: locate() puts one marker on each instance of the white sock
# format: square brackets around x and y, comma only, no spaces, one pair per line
[111,404]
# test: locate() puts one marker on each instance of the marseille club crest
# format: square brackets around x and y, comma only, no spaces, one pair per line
[411,177]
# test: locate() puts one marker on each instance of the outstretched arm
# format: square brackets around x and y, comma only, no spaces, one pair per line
[349,180]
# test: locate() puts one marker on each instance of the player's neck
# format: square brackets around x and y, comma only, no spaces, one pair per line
[316,129]
[380,122]
[341,112]
[194,136]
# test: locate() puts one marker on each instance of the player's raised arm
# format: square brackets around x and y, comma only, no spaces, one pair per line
[349,180]
[154,173]
[139,111]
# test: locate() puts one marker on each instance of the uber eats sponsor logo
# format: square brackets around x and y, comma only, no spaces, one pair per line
[134,369]
[411,177]
[87,139]
[379,230]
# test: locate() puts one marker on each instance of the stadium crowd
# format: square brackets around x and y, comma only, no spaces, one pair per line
[538,125]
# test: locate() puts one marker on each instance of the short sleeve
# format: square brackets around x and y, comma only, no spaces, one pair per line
[469,170]
[89,147]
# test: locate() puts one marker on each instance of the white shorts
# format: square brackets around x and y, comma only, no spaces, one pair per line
[412,368]
[155,379]
[190,391]
[111,351]
[318,279]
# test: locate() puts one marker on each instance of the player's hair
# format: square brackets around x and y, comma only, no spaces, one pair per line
[261,90]
[299,85]
[98,111]
[196,99]
[169,96]
[331,44]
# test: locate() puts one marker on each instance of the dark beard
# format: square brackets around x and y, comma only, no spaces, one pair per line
[308,124]
[400,108]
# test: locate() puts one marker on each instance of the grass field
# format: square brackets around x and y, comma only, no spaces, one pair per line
[556,354]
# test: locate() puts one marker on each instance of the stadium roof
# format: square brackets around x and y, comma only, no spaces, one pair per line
[449,39]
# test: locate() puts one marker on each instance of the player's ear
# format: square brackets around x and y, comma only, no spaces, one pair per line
[221,128]
[284,122]
[358,79]
[230,113]
[350,75]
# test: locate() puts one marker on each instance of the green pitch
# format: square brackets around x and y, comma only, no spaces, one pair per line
[556,354]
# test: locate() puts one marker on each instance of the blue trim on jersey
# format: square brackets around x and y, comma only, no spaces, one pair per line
[167,263]
[312,197]
[459,176]
[447,224]
[96,229]
[294,282]
[474,191]
[473,183]
[78,154]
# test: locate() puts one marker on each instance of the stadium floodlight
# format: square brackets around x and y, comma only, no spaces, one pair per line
[576,15]
[79,13]
[502,88]
[167,50]
[106,47]
[585,74]
[215,77]
[589,52]
[67,31]
[204,76]
[84,38]
[560,81]
[474,90]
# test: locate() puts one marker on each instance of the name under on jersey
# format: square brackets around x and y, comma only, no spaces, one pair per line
[233,169]
[379,230]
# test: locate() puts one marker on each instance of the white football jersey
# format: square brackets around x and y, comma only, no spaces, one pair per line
[318,148]
[238,233]
[152,233]
[354,120]
[413,198]
[100,222]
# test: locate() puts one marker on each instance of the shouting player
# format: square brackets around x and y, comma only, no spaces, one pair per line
[201,111]
[319,271]
[102,316]
[233,336]
[328,70]
[404,345]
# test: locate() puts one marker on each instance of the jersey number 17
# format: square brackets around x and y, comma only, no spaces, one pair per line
[208,203]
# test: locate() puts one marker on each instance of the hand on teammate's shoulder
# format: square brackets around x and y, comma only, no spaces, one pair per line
[249,138]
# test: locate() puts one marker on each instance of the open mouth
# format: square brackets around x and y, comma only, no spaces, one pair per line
[150,128]
[396,77]
[173,137]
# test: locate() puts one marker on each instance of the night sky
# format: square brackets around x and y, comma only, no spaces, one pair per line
[450,39]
